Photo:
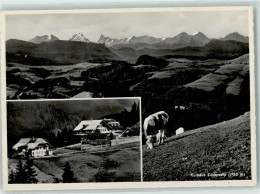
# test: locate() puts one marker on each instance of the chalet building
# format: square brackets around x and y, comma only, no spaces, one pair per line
[105,126]
[35,147]
[114,124]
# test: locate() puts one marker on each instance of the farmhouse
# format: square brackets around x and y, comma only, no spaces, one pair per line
[35,147]
[104,126]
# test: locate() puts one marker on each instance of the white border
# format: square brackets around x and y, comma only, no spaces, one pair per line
[167,184]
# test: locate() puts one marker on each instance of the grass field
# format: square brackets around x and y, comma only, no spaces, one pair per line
[222,148]
[32,74]
[115,165]
[225,74]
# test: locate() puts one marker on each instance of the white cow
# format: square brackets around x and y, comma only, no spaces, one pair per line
[179,131]
[155,127]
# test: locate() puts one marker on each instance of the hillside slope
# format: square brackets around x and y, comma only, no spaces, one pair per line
[117,164]
[220,148]
[233,73]
[56,52]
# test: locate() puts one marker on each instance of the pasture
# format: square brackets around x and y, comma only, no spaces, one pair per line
[216,149]
[118,164]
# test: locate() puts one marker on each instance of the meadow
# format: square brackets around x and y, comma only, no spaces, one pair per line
[112,165]
[220,149]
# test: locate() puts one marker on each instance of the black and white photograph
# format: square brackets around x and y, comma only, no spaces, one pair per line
[75,141]
[191,69]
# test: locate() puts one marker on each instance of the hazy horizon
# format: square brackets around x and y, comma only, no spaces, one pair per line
[214,24]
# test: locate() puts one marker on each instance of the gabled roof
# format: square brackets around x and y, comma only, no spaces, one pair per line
[30,142]
[37,142]
[22,142]
[110,120]
[89,125]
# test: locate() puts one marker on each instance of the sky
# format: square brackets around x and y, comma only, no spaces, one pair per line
[214,24]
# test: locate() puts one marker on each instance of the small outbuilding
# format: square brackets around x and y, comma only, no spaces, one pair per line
[180,131]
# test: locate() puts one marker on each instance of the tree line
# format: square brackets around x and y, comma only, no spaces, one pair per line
[26,174]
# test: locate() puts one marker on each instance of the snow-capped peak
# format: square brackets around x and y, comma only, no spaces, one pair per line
[195,33]
[79,37]
[129,38]
[44,38]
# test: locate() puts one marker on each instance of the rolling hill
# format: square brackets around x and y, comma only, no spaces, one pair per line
[215,149]
[56,52]
[232,73]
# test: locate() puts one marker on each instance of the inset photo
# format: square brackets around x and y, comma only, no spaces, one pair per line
[73,141]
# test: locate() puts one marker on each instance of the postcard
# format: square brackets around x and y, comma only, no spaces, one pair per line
[128,98]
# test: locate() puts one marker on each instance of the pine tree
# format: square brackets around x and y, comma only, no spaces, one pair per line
[31,172]
[20,175]
[11,177]
[68,175]
[134,108]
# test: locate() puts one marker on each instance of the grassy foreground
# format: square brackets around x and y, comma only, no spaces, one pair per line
[215,152]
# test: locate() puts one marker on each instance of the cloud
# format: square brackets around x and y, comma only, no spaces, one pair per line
[214,24]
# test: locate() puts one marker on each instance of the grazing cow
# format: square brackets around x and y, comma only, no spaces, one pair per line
[179,131]
[154,128]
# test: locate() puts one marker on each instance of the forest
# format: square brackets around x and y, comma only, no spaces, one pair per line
[55,123]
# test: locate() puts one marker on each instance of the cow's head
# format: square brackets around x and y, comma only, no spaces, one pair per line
[150,140]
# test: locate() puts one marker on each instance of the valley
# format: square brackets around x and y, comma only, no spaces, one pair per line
[209,76]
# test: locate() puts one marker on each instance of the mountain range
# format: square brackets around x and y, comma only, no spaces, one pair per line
[180,40]
[48,49]
[140,42]
[56,52]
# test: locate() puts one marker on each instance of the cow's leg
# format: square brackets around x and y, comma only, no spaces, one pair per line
[163,135]
[159,135]
[157,138]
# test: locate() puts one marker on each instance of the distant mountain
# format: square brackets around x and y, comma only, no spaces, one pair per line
[236,36]
[215,49]
[130,40]
[56,52]
[145,39]
[181,40]
[107,40]
[201,38]
[45,38]
[79,37]
[184,39]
